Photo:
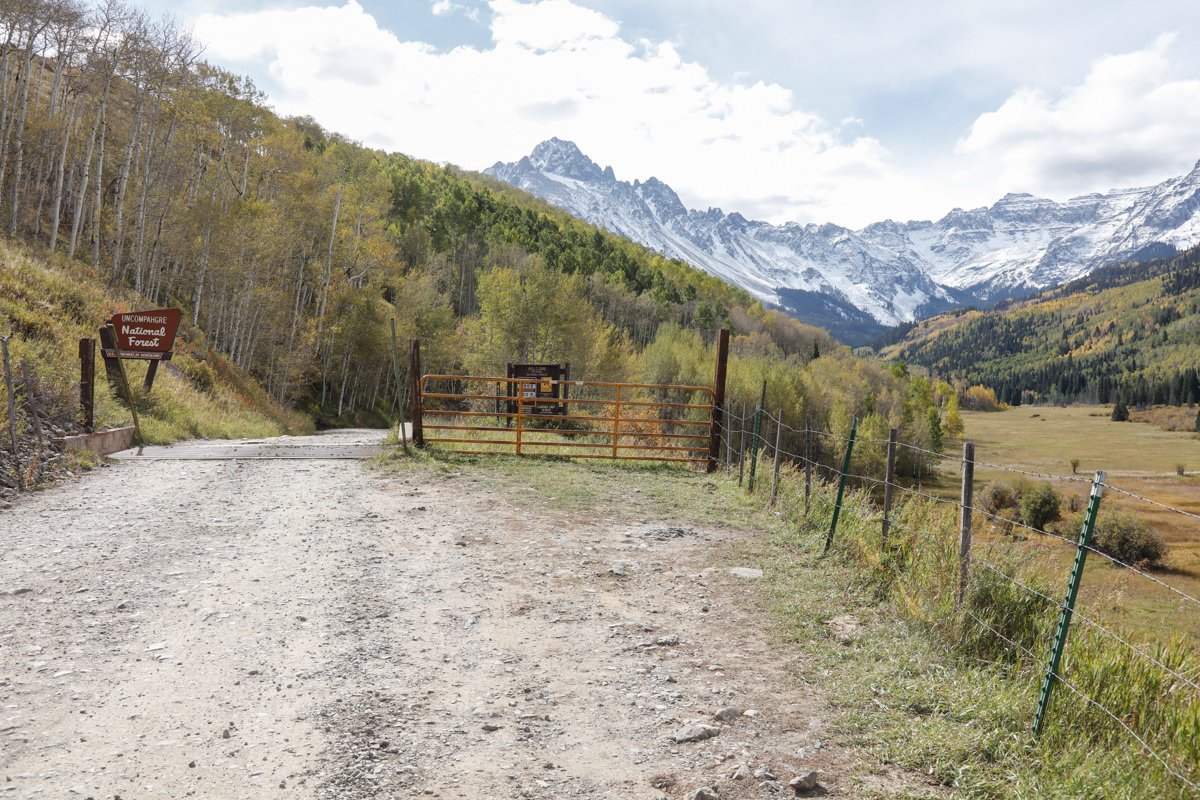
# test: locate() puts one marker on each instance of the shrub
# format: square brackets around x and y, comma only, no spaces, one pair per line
[980,398]
[1040,505]
[198,372]
[997,496]
[1128,539]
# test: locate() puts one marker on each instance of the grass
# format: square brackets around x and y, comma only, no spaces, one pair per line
[1137,457]
[922,687]
[48,304]
[1046,438]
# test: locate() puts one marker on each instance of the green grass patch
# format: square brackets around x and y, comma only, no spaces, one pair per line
[49,304]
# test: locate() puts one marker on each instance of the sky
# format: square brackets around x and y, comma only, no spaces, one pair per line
[844,111]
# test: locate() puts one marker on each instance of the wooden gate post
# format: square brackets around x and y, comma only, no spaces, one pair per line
[399,391]
[418,435]
[87,384]
[718,410]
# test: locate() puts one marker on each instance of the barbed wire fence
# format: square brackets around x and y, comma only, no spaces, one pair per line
[753,429]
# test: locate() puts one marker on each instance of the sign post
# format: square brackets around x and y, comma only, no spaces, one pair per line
[143,335]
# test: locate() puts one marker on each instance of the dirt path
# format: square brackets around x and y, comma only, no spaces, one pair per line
[276,628]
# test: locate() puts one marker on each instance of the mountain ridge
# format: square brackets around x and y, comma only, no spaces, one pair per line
[891,272]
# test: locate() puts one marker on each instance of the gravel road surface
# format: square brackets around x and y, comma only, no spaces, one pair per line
[291,628]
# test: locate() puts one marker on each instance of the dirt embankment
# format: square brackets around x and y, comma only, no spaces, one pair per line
[292,628]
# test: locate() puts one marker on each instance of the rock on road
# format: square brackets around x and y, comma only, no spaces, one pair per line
[319,629]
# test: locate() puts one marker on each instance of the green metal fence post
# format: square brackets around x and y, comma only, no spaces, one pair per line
[742,446]
[1068,608]
[758,412]
[837,506]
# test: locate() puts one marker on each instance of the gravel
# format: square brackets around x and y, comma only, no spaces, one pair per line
[317,629]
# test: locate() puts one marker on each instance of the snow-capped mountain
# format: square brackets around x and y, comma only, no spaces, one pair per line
[888,272]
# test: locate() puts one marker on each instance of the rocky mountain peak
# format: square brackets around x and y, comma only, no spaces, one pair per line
[889,271]
[560,157]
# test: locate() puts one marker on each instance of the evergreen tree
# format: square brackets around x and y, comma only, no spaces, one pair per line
[935,431]
[1120,412]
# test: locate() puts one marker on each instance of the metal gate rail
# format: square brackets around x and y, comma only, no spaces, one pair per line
[586,419]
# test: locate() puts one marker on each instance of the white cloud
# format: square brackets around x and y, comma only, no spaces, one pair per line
[558,69]
[442,8]
[1132,121]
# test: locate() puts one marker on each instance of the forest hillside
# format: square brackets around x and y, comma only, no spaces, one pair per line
[1128,331]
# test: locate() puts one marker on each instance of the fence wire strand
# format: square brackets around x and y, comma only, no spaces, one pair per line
[912,493]
[1075,612]
[1145,745]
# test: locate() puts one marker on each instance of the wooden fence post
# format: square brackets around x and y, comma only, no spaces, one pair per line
[12,414]
[964,533]
[87,384]
[34,417]
[414,360]
[889,480]
[399,392]
[718,411]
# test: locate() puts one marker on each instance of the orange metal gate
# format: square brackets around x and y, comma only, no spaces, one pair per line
[589,419]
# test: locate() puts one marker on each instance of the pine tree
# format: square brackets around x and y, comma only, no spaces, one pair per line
[1120,412]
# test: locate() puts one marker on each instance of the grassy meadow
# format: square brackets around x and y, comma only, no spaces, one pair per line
[1138,457]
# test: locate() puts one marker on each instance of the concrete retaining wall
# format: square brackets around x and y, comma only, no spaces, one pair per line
[101,442]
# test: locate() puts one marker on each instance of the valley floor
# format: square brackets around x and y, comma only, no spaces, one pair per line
[327,629]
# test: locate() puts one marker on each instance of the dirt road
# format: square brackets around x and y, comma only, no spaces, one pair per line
[319,629]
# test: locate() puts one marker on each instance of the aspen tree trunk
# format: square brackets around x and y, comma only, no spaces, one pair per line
[5,111]
[98,206]
[117,270]
[19,146]
[327,278]
[84,181]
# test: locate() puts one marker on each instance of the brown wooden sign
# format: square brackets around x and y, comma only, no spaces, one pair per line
[145,334]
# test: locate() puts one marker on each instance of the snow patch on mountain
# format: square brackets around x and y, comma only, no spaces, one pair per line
[894,272]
